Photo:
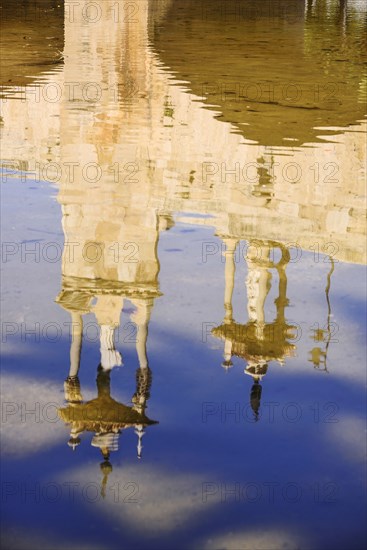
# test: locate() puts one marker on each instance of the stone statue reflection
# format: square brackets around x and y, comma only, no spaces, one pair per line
[258,341]
[110,256]
[105,417]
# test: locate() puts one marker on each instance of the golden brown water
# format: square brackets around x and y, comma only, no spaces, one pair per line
[208,164]
[290,68]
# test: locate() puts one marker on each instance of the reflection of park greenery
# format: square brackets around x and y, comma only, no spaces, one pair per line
[344,42]
[39,30]
[313,63]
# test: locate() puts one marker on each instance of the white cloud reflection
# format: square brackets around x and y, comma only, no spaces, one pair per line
[254,540]
[166,501]
[349,436]
[29,422]
[17,539]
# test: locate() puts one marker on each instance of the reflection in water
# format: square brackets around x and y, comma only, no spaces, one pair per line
[318,354]
[96,281]
[258,342]
[104,416]
[236,118]
[293,67]
[135,140]
[31,40]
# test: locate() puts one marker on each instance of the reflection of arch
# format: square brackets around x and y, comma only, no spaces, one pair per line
[257,342]
[265,248]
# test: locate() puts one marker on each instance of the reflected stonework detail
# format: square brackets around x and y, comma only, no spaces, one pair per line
[257,342]
[140,143]
[105,417]
[207,161]
[110,256]
[130,146]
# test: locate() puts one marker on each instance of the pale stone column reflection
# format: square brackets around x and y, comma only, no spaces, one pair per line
[229,277]
[259,341]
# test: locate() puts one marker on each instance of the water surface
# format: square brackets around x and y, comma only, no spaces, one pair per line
[183,297]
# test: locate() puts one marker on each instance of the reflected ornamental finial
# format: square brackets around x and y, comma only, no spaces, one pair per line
[106,469]
[139,432]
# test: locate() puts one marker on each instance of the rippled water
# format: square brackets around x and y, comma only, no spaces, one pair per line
[183,280]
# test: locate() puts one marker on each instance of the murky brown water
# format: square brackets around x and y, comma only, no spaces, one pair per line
[195,170]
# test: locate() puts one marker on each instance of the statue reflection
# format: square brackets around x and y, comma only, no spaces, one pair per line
[110,256]
[257,342]
[105,417]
